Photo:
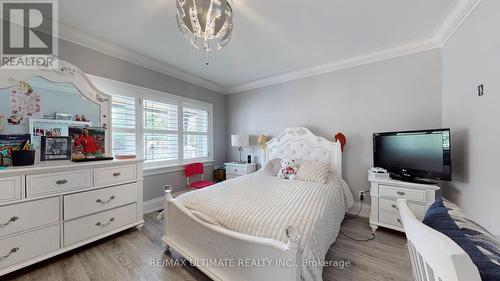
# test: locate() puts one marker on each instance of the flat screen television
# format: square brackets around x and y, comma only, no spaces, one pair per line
[409,155]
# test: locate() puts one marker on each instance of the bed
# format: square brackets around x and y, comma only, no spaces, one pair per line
[259,227]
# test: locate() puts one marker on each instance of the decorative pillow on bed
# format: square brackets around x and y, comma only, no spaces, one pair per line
[272,167]
[314,171]
[477,242]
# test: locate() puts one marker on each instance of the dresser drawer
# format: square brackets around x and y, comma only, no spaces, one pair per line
[93,225]
[114,175]
[400,192]
[38,185]
[23,216]
[231,176]
[81,204]
[10,189]
[236,170]
[391,206]
[29,245]
[390,218]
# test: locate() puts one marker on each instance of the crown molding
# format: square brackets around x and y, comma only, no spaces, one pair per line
[457,15]
[84,39]
[381,55]
[455,18]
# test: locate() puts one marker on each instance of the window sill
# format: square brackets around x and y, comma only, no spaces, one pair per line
[170,168]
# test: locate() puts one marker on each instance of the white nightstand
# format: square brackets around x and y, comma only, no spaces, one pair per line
[385,191]
[234,170]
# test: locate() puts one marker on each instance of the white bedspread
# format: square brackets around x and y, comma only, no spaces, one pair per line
[265,206]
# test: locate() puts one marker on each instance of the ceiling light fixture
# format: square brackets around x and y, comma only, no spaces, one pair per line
[208,24]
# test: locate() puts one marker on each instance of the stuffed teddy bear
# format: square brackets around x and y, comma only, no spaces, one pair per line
[288,169]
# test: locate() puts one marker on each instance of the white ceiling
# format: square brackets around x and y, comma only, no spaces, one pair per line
[274,40]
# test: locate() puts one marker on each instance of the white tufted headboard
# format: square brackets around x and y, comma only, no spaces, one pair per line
[300,143]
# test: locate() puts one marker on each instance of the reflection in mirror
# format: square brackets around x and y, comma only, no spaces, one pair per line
[47,100]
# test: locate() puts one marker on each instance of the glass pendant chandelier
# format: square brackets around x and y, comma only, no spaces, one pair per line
[208,24]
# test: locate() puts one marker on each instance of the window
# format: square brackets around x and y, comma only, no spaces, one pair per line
[163,129]
[123,124]
[195,132]
[161,132]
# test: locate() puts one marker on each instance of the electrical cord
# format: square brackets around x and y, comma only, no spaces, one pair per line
[355,239]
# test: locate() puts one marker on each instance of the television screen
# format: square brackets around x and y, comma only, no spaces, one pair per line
[424,154]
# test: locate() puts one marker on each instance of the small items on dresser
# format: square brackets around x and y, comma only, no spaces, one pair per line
[1,122]
[124,157]
[55,148]
[88,143]
[10,143]
[378,173]
[64,116]
[25,157]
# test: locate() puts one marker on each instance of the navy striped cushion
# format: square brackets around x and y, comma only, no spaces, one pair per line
[478,243]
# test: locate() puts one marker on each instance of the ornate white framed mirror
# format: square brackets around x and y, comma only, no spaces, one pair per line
[36,99]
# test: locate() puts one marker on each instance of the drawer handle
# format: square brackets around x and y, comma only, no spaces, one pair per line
[116,174]
[394,207]
[11,220]
[100,224]
[100,201]
[401,193]
[60,182]
[12,251]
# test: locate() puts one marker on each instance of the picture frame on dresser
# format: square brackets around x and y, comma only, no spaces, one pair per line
[55,148]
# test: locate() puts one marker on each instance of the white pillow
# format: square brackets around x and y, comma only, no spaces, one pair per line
[272,167]
[314,171]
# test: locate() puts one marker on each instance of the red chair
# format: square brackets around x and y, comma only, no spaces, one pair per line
[194,169]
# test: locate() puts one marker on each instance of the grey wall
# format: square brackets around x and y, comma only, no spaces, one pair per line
[396,94]
[471,57]
[100,64]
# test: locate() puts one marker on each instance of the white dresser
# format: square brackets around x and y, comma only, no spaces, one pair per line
[385,191]
[53,207]
[234,170]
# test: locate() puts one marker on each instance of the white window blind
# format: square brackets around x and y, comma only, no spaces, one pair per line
[123,124]
[195,133]
[161,132]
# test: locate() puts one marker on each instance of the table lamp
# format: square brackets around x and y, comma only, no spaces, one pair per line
[240,141]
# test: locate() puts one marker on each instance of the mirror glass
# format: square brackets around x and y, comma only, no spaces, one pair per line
[40,107]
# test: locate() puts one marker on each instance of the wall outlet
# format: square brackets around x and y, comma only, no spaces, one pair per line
[361,195]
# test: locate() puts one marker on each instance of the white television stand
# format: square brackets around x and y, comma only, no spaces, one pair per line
[384,192]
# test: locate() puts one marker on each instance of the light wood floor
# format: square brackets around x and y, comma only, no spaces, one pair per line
[126,256]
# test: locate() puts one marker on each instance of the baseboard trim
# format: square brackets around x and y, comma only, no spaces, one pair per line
[365,211]
[153,205]
[156,204]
